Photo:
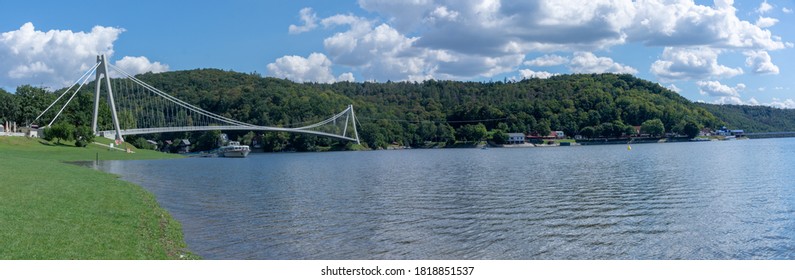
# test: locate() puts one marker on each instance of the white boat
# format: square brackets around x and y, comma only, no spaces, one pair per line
[234,149]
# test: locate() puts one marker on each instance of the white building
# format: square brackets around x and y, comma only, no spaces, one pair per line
[515,138]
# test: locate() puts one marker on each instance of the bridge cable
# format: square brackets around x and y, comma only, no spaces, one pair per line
[85,81]
[67,90]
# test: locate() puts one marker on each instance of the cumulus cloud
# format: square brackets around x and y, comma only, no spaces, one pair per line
[674,88]
[547,60]
[691,63]
[760,62]
[783,104]
[715,88]
[346,77]
[315,68]
[56,58]
[529,74]
[788,103]
[308,17]
[786,10]
[765,22]
[586,62]
[140,64]
[764,8]
[684,23]
[467,39]
[53,58]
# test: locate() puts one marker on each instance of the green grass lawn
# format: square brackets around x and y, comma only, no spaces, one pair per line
[54,210]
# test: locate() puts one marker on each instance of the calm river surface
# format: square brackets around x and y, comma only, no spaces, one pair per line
[706,200]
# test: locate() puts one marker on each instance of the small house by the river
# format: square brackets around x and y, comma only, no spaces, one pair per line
[516,138]
[184,146]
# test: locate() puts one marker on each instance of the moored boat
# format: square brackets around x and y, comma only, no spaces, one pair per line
[234,149]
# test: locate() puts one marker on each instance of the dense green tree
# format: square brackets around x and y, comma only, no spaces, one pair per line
[60,131]
[141,143]
[542,128]
[83,135]
[588,132]
[751,118]
[247,138]
[31,102]
[499,136]
[470,132]
[207,141]
[9,107]
[691,129]
[653,127]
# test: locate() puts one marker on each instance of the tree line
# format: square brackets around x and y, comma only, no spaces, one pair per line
[403,113]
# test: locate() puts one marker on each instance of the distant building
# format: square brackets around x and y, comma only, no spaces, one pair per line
[737,132]
[516,138]
[636,128]
[166,148]
[559,134]
[153,143]
[29,132]
[729,132]
[184,146]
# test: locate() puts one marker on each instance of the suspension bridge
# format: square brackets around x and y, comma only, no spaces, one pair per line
[139,108]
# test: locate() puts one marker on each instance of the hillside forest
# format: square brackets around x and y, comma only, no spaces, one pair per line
[417,114]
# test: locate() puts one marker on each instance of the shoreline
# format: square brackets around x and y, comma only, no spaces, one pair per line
[56,210]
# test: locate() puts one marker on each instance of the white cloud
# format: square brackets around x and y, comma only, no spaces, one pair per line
[529,74]
[736,100]
[138,65]
[786,10]
[730,100]
[586,62]
[715,88]
[765,22]
[54,58]
[466,39]
[686,24]
[347,77]
[315,68]
[783,104]
[308,17]
[764,8]
[687,64]
[34,69]
[547,60]
[760,62]
[442,13]
[674,88]
[405,16]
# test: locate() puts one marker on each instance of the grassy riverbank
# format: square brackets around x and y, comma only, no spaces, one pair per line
[53,210]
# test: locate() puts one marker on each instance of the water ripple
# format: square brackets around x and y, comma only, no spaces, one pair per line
[716,200]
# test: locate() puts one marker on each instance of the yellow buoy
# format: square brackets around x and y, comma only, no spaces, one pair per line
[629,148]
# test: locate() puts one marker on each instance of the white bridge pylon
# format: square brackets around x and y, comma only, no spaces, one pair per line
[139,108]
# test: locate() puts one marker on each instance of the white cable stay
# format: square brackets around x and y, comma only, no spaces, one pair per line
[86,74]
[205,119]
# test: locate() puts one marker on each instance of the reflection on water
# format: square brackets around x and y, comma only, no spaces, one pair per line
[715,200]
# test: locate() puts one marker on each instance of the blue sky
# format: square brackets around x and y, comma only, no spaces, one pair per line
[713,51]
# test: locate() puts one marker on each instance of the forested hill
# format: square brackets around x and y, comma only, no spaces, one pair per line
[410,113]
[414,113]
[753,118]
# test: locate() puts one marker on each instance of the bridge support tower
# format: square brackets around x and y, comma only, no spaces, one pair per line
[102,70]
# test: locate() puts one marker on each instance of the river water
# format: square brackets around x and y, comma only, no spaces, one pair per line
[705,200]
